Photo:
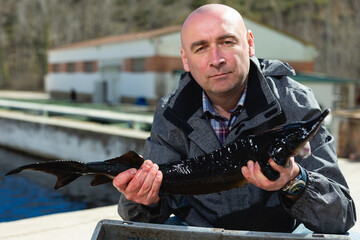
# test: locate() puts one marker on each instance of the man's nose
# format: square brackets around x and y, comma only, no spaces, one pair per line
[216,58]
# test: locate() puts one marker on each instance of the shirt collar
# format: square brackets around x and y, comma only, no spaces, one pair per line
[208,108]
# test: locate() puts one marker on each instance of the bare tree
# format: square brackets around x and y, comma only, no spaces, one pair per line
[29,28]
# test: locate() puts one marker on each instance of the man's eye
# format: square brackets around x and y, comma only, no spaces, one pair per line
[228,43]
[200,49]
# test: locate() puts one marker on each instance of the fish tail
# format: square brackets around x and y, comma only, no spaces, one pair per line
[65,171]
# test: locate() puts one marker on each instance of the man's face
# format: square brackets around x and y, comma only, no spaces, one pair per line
[216,49]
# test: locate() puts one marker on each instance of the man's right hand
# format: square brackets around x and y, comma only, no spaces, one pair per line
[142,185]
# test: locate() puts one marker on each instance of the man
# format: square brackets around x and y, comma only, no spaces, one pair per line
[226,93]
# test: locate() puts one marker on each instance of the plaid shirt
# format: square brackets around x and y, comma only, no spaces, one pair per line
[220,124]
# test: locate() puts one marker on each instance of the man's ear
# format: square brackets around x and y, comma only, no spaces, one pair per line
[250,39]
[184,60]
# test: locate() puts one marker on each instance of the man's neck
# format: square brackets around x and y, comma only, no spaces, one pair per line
[224,104]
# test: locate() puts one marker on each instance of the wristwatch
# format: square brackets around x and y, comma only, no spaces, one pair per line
[297,185]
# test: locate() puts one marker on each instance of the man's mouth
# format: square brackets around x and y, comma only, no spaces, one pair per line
[219,75]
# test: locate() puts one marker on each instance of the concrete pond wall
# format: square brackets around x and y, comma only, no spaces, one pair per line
[66,139]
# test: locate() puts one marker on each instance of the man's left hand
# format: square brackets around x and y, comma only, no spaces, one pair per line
[252,172]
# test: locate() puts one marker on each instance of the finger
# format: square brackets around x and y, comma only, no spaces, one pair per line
[121,181]
[154,192]
[280,168]
[138,179]
[257,169]
[289,172]
[250,165]
[252,174]
[261,179]
[148,182]
[276,166]
[245,172]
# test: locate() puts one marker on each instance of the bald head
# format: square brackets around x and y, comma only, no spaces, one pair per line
[205,13]
[216,50]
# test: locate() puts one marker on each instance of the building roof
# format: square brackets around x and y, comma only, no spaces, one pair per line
[283,46]
[121,38]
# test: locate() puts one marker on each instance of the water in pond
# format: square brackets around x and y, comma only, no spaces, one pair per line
[23,198]
[31,194]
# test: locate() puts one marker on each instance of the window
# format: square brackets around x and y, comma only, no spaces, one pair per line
[70,67]
[55,67]
[89,67]
[138,65]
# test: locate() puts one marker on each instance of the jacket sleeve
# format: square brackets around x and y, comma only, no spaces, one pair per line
[132,211]
[326,205]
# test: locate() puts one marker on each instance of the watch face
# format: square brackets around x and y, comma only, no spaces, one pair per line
[297,187]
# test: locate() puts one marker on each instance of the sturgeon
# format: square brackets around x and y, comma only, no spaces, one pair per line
[216,171]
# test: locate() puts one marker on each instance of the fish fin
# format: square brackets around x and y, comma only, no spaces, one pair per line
[65,179]
[17,170]
[131,159]
[65,171]
[100,179]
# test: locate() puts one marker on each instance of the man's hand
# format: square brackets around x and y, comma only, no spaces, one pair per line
[142,185]
[253,174]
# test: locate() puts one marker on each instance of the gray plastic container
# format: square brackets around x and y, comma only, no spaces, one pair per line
[119,230]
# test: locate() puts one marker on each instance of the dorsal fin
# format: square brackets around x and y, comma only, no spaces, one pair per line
[131,159]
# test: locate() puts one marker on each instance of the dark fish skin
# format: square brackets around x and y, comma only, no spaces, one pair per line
[217,171]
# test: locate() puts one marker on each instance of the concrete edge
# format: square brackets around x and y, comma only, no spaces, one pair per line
[71,225]
[68,123]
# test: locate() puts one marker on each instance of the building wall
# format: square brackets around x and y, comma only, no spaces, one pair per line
[333,96]
[273,44]
[149,84]
[302,66]
[155,64]
[129,85]
[323,93]
[64,82]
[169,45]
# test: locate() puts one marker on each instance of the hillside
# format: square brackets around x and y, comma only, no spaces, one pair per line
[29,28]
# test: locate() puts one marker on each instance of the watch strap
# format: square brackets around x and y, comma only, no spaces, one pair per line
[296,185]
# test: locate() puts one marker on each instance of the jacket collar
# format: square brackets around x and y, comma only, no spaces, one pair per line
[261,107]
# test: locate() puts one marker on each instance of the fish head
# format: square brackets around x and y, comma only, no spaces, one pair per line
[287,141]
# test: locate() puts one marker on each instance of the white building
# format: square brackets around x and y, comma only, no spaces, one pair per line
[116,67]
[147,65]
[331,92]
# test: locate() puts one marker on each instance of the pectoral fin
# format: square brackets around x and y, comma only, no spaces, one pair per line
[64,179]
[100,179]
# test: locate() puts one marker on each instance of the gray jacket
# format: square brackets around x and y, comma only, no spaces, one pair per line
[180,131]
